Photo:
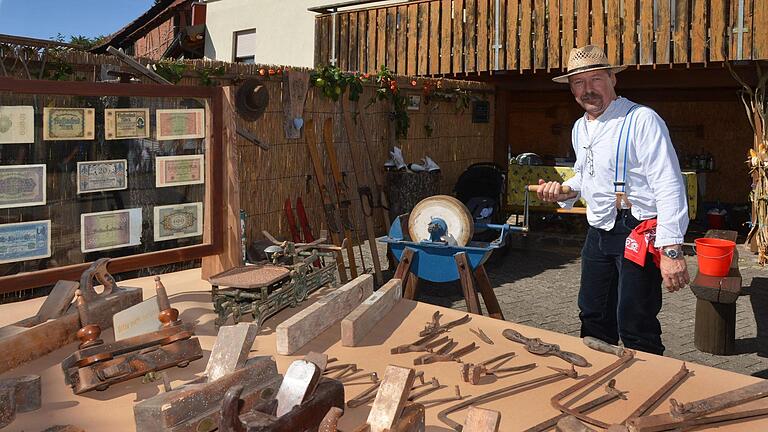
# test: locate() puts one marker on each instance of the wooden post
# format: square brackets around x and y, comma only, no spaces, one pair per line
[715,327]
[231,252]
[467,283]
[489,297]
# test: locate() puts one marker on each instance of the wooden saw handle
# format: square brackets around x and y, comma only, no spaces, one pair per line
[563,189]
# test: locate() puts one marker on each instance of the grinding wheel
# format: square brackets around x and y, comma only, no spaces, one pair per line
[452,211]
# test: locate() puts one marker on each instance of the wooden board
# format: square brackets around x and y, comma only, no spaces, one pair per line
[354,42]
[371,65]
[434,38]
[295,332]
[343,38]
[481,420]
[402,39]
[231,349]
[553,36]
[392,38]
[718,36]
[646,32]
[58,301]
[567,37]
[630,32]
[598,25]
[38,340]
[391,397]
[413,39]
[445,36]
[367,316]
[513,10]
[526,16]
[470,36]
[663,36]
[680,32]
[760,21]
[483,27]
[539,58]
[423,41]
[582,22]
[362,44]
[381,38]
[458,36]
[613,36]
[698,31]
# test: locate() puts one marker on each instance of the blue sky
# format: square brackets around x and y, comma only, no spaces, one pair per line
[44,19]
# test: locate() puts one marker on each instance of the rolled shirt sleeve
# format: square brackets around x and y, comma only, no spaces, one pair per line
[575,181]
[659,162]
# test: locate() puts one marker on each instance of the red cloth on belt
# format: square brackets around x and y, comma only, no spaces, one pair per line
[640,242]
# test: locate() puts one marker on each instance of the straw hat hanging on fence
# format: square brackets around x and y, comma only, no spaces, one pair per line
[584,59]
[251,99]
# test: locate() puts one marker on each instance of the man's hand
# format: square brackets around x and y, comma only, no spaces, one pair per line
[552,192]
[674,272]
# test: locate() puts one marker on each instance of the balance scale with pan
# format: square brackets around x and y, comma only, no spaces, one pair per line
[434,242]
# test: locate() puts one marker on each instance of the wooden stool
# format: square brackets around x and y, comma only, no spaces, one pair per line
[715,325]
[471,283]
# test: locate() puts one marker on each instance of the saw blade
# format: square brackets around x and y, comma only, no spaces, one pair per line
[452,211]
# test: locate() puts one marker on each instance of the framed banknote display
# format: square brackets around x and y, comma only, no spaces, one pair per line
[125,123]
[22,185]
[179,170]
[25,241]
[180,123]
[178,221]
[62,124]
[17,124]
[110,229]
[100,176]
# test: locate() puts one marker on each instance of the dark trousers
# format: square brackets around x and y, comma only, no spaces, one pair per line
[618,298]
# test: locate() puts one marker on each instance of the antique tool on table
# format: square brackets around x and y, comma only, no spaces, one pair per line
[611,394]
[425,344]
[97,365]
[481,420]
[539,347]
[472,373]
[559,374]
[481,334]
[18,395]
[456,396]
[301,403]
[434,242]
[56,323]
[390,410]
[649,404]
[445,354]
[265,289]
[434,327]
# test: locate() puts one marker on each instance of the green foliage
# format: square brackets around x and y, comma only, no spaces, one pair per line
[207,75]
[388,90]
[332,83]
[82,42]
[171,70]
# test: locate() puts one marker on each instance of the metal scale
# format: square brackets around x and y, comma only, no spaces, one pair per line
[434,242]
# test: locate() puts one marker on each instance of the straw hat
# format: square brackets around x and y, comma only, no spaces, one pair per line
[586,58]
[251,99]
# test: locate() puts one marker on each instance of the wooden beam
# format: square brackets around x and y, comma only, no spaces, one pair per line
[391,398]
[481,420]
[367,316]
[298,330]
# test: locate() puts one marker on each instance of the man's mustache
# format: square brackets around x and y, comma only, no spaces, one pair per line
[590,96]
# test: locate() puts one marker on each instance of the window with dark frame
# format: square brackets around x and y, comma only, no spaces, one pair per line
[244,46]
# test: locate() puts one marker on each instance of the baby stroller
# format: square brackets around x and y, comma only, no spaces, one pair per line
[481,187]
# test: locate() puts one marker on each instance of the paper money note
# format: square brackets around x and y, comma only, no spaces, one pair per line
[123,123]
[178,221]
[179,170]
[180,123]
[25,241]
[17,124]
[97,176]
[68,124]
[22,185]
[110,229]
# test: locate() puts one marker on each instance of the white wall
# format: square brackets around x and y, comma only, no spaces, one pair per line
[284,29]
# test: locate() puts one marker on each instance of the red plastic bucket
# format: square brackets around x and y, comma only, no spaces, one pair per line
[714,256]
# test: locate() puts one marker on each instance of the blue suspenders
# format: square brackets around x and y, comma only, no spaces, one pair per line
[622,149]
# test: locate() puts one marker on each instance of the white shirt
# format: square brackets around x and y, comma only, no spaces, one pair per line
[654,183]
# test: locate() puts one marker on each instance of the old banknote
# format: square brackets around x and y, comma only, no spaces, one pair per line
[178,221]
[110,229]
[22,185]
[17,124]
[25,241]
[68,124]
[123,123]
[179,170]
[98,176]
[180,123]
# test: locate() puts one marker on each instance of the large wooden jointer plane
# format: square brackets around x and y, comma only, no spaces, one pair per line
[57,322]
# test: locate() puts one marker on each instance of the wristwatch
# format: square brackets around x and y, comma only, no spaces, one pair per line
[672,252]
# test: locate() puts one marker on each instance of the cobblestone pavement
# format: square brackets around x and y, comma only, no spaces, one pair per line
[537,285]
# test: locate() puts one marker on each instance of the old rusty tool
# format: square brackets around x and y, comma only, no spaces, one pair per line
[425,344]
[611,394]
[472,373]
[429,387]
[331,420]
[298,384]
[319,359]
[448,356]
[457,396]
[97,365]
[365,396]
[557,400]
[262,418]
[434,326]
[539,347]
[689,410]
[481,334]
[97,271]
[341,370]
[559,374]
[647,406]
[372,376]
[665,422]
[18,395]
[602,346]
[196,405]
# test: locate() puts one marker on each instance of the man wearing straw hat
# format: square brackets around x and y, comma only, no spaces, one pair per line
[628,174]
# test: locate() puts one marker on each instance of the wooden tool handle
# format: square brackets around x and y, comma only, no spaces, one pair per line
[563,188]
[598,345]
